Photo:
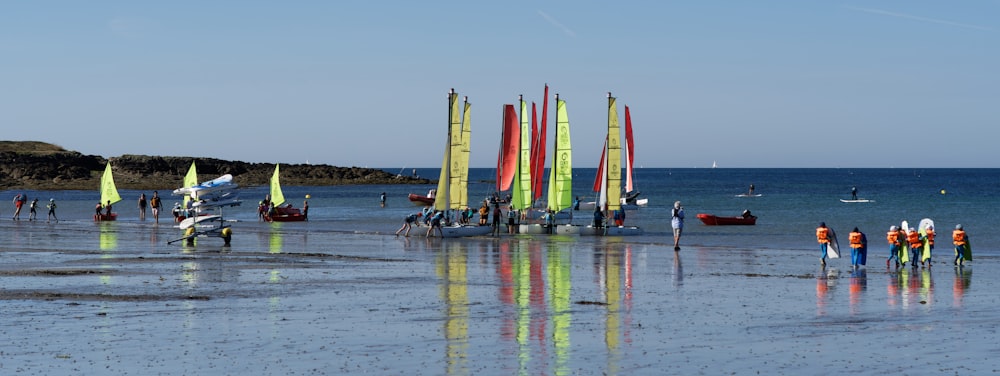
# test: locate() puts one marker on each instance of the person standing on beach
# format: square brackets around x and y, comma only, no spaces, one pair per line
[142,207]
[961,241]
[305,209]
[858,247]
[677,222]
[511,216]
[156,205]
[52,210]
[496,218]
[823,237]
[892,237]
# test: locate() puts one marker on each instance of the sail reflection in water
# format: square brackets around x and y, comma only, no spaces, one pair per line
[451,267]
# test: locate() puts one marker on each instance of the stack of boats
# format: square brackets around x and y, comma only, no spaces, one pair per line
[204,203]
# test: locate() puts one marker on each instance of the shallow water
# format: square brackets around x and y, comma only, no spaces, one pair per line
[341,295]
[114,298]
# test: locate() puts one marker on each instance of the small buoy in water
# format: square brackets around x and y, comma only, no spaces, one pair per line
[308,196]
[943,192]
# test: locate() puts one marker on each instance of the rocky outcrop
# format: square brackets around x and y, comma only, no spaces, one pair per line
[37,165]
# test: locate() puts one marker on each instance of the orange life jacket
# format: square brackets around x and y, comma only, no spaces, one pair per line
[892,237]
[913,238]
[958,237]
[821,234]
[930,236]
[855,239]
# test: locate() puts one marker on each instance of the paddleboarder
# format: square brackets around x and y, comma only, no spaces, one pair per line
[854,193]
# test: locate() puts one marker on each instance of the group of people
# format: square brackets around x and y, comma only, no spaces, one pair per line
[21,199]
[905,245]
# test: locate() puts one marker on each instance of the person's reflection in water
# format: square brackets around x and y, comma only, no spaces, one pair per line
[963,278]
[823,285]
[859,283]
[678,270]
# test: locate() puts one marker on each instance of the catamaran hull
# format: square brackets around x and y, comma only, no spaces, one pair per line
[610,231]
[567,230]
[465,231]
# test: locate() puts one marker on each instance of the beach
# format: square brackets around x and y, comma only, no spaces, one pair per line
[305,300]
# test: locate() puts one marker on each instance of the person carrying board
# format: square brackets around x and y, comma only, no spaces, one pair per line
[823,237]
[961,241]
[893,238]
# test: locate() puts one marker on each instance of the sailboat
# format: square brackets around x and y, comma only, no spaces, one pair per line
[109,195]
[281,213]
[453,182]
[561,171]
[631,201]
[610,179]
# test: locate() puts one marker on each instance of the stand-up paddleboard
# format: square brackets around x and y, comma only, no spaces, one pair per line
[753,195]
[188,222]
[924,224]
[860,200]
[833,250]
[904,245]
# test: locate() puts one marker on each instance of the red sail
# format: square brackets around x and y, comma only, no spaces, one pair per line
[538,154]
[629,150]
[599,180]
[510,146]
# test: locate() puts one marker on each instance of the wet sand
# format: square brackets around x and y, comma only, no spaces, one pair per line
[83,299]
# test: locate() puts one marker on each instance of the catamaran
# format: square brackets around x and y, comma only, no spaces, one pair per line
[610,180]
[452,191]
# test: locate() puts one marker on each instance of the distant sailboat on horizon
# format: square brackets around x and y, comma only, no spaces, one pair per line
[714,165]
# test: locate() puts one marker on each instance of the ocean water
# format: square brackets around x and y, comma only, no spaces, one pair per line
[792,203]
[340,295]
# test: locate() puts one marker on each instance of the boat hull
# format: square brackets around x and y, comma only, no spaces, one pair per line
[713,220]
[465,231]
[610,231]
[421,200]
[286,214]
[105,217]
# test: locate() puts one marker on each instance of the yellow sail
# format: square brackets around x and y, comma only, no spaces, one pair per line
[614,170]
[109,192]
[561,172]
[455,158]
[190,180]
[443,198]
[521,195]
[463,157]
[277,197]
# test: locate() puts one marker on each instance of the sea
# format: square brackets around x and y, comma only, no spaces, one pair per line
[791,204]
[340,294]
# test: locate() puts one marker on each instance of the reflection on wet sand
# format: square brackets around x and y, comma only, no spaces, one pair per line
[858,284]
[962,281]
[450,267]
[825,280]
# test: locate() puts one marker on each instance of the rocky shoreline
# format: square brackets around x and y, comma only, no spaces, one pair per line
[43,166]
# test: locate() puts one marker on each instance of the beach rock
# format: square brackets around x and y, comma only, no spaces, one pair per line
[43,166]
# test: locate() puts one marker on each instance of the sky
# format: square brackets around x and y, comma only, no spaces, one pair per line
[765,83]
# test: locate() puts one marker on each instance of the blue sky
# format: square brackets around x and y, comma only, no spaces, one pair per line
[363,83]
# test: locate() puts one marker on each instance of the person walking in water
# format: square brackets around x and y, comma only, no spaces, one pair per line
[18,203]
[823,237]
[892,237]
[31,209]
[52,210]
[858,247]
[677,222]
[916,243]
[381,199]
[961,241]
[142,207]
[155,204]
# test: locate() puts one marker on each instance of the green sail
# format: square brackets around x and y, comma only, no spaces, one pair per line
[190,180]
[561,173]
[109,192]
[277,197]
[521,195]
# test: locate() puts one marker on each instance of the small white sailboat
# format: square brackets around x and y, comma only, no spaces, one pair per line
[610,181]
